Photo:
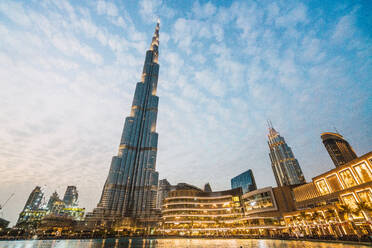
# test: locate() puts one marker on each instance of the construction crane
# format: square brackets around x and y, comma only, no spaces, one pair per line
[2,206]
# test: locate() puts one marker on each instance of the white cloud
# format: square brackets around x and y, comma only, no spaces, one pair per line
[106,8]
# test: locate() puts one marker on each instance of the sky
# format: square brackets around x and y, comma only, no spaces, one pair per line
[68,71]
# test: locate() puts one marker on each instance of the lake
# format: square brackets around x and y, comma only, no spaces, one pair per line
[172,243]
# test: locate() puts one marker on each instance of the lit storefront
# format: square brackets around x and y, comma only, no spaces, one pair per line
[337,203]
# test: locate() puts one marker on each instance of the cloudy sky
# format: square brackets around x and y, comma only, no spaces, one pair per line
[68,70]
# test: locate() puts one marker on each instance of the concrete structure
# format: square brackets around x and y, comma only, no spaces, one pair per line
[338,148]
[131,185]
[338,202]
[244,180]
[286,168]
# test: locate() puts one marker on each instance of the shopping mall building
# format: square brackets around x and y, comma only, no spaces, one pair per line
[335,203]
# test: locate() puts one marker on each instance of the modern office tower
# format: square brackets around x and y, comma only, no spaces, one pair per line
[131,185]
[52,199]
[71,196]
[245,181]
[163,190]
[34,200]
[285,166]
[338,148]
[207,187]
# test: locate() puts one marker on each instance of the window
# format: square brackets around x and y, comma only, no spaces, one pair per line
[322,187]
[347,177]
[365,196]
[334,183]
[363,172]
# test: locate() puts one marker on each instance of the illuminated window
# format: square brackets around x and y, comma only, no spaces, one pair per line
[363,172]
[334,183]
[365,196]
[235,198]
[322,186]
[347,177]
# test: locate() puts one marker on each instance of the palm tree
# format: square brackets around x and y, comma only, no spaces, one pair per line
[330,215]
[345,209]
[315,217]
[303,217]
[365,208]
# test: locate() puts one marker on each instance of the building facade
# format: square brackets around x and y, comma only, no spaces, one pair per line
[337,203]
[34,199]
[131,185]
[71,196]
[286,168]
[191,212]
[245,180]
[338,148]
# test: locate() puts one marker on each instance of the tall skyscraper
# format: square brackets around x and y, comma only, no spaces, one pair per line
[338,148]
[34,199]
[131,185]
[71,196]
[244,180]
[207,187]
[285,166]
[52,199]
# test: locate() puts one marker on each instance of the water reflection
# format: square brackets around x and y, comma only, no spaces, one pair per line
[173,243]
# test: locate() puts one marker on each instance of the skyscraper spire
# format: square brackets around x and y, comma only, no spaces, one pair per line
[131,185]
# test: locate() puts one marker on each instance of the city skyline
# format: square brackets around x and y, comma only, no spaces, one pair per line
[67,126]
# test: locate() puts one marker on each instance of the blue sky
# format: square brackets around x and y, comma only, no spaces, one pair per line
[69,68]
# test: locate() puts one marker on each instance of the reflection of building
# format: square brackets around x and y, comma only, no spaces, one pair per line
[285,166]
[245,181]
[131,185]
[71,196]
[349,184]
[34,200]
[338,148]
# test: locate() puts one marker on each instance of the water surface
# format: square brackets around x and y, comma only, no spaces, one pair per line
[172,243]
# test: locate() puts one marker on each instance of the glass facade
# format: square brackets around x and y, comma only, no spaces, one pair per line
[259,201]
[338,148]
[245,180]
[347,178]
[286,168]
[363,172]
[131,186]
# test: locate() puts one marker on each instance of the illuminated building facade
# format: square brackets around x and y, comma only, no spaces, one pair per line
[31,214]
[245,180]
[338,148]
[34,199]
[286,168]
[131,186]
[194,212]
[338,202]
[71,196]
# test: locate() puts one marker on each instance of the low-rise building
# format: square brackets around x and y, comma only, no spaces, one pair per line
[337,203]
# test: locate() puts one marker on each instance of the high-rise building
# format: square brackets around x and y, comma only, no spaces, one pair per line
[285,166]
[163,190]
[244,180]
[207,187]
[131,185]
[71,196]
[338,148]
[52,199]
[34,200]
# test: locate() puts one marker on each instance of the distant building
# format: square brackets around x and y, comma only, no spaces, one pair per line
[338,148]
[71,196]
[165,188]
[207,188]
[52,199]
[285,166]
[245,181]
[34,200]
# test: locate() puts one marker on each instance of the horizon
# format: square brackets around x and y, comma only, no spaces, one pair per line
[70,71]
